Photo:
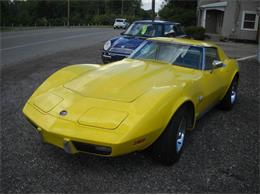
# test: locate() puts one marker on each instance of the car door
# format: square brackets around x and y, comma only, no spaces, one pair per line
[211,82]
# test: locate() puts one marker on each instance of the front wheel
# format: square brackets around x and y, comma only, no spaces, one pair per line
[230,98]
[168,148]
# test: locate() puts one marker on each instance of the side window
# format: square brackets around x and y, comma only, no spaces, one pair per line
[168,29]
[211,54]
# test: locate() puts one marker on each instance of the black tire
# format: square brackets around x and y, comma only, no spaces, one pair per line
[227,103]
[165,148]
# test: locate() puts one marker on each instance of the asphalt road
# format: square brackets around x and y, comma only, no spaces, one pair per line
[221,155]
[23,45]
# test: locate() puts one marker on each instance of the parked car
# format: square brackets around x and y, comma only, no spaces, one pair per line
[120,23]
[122,46]
[148,100]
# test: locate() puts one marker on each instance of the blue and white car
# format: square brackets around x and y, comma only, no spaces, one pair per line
[122,46]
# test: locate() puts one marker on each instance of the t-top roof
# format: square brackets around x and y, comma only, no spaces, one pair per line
[184,41]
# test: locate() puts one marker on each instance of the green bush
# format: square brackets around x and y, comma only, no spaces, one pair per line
[131,19]
[109,19]
[195,32]
[103,19]
[42,21]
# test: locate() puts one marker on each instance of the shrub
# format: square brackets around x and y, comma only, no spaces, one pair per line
[195,32]
[104,19]
[42,21]
[131,19]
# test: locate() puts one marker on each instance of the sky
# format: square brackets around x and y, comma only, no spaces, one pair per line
[147,4]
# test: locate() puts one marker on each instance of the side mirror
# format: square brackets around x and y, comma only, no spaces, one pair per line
[217,64]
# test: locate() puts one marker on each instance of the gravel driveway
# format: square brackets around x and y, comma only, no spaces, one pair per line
[221,155]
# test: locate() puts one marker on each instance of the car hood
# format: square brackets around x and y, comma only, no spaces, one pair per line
[125,80]
[128,42]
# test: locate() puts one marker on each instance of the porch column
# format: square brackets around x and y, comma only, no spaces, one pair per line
[203,18]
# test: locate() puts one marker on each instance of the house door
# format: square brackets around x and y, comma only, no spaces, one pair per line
[220,17]
[214,21]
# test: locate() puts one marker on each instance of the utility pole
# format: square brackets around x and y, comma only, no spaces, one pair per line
[122,8]
[258,34]
[68,16]
[153,8]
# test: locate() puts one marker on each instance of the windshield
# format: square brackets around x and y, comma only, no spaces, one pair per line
[144,30]
[177,54]
[119,20]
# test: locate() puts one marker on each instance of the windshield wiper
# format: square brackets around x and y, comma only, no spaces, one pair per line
[140,36]
[127,34]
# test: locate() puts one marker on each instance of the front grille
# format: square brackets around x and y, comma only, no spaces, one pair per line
[91,148]
[121,50]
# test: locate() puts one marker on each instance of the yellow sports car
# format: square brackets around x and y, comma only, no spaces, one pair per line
[146,101]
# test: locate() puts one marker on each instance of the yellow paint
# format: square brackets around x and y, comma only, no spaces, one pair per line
[121,103]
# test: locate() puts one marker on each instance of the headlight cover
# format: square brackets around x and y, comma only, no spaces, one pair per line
[103,118]
[107,45]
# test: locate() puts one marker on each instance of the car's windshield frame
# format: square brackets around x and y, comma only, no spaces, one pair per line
[201,48]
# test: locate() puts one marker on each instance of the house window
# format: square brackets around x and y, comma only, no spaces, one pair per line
[249,21]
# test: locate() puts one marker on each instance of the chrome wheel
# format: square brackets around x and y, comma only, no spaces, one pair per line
[181,134]
[233,93]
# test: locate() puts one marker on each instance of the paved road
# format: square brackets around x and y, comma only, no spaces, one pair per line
[23,45]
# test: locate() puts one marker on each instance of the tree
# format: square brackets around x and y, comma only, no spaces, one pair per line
[180,11]
[54,12]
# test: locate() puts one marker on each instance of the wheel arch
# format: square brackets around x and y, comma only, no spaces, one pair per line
[234,76]
[191,109]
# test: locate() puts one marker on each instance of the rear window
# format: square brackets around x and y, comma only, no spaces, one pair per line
[119,20]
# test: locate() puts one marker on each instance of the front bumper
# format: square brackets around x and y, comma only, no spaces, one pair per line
[73,138]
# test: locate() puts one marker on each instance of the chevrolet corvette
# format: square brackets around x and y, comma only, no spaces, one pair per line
[146,101]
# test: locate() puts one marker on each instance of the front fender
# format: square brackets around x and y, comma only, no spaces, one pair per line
[233,70]
[153,111]
[62,76]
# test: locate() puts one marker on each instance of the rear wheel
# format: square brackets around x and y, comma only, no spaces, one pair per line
[230,98]
[168,148]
